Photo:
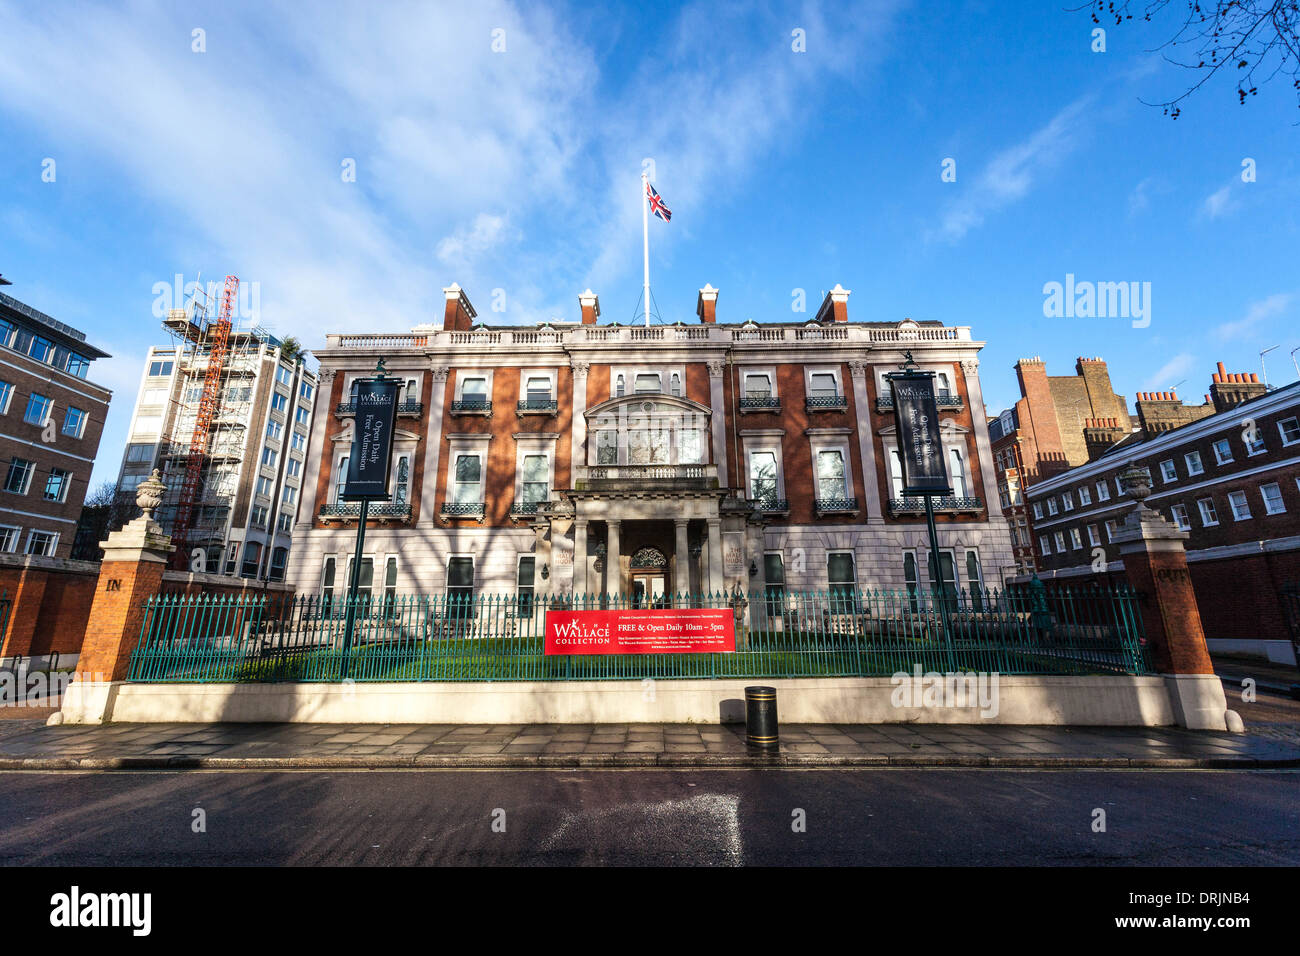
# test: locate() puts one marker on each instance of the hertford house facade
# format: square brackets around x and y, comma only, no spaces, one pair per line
[579,458]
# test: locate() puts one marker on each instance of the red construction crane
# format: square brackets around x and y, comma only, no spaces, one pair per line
[209,399]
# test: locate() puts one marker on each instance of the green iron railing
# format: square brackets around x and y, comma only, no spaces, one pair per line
[458,637]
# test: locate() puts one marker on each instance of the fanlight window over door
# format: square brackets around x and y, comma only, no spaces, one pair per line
[649,558]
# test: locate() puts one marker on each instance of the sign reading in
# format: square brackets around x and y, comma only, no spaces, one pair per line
[916,419]
[687,630]
[372,440]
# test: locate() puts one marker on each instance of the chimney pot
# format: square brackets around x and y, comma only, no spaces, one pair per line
[1254,378]
[1222,371]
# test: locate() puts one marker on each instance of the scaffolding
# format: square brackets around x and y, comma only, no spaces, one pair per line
[205,439]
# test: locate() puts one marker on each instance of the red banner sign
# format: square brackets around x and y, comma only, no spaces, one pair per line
[688,630]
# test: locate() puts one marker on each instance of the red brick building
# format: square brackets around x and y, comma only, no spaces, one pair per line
[587,457]
[1055,425]
[1229,479]
[51,418]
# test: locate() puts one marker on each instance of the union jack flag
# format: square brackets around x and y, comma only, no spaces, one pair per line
[657,204]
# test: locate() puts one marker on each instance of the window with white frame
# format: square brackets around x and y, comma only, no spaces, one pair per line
[19,477]
[289,495]
[535,478]
[9,538]
[402,480]
[1168,472]
[1194,466]
[340,478]
[39,408]
[467,476]
[1272,495]
[43,543]
[269,456]
[675,384]
[57,484]
[538,389]
[763,484]
[274,430]
[1076,539]
[1038,510]
[1254,438]
[1103,491]
[1288,428]
[1222,451]
[1209,516]
[1181,520]
[302,417]
[473,390]
[327,584]
[6,394]
[74,422]
[279,402]
[460,585]
[832,483]
[1059,538]
[263,487]
[896,474]
[525,585]
[1112,528]
[1085,496]
[607,447]
[299,442]
[646,383]
[293,468]
[823,385]
[1052,510]
[841,577]
[1044,545]
[758,386]
[1239,505]
[1067,501]
[957,474]
[1094,537]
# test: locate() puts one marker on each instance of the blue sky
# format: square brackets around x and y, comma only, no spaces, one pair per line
[518,170]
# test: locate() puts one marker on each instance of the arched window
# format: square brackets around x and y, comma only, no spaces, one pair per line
[402,487]
[676,385]
[620,386]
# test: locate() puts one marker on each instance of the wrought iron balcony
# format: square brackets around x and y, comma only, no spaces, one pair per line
[472,406]
[760,403]
[378,511]
[916,505]
[462,509]
[537,406]
[835,505]
[827,403]
[943,399]
[411,409]
[526,509]
[771,504]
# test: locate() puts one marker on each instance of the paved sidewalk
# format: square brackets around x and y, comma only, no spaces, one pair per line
[30,745]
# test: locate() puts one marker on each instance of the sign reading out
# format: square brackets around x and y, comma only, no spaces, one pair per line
[916,419]
[687,630]
[372,440]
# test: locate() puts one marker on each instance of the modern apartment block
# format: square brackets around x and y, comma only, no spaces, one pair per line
[51,418]
[578,457]
[251,478]
[1060,421]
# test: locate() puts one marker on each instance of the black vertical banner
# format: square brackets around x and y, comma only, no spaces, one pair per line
[916,418]
[372,440]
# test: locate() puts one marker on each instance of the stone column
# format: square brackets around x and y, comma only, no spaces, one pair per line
[579,558]
[1155,564]
[682,556]
[433,447]
[715,555]
[983,448]
[873,508]
[578,432]
[130,574]
[718,405]
[613,548]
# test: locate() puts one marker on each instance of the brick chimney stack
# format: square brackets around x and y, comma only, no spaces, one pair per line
[1230,389]
[590,303]
[836,305]
[1099,434]
[459,315]
[706,305]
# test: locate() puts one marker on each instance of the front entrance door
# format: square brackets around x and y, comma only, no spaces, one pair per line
[649,589]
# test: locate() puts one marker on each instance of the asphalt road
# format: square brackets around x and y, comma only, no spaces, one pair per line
[652,817]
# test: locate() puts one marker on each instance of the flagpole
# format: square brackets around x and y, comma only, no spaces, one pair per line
[645,242]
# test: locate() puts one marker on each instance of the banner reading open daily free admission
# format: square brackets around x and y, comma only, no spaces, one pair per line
[659,631]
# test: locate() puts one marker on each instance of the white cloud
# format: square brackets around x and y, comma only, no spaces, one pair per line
[1171,372]
[1013,172]
[469,243]
[1256,313]
[1218,203]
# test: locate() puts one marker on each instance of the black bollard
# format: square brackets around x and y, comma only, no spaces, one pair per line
[761,730]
